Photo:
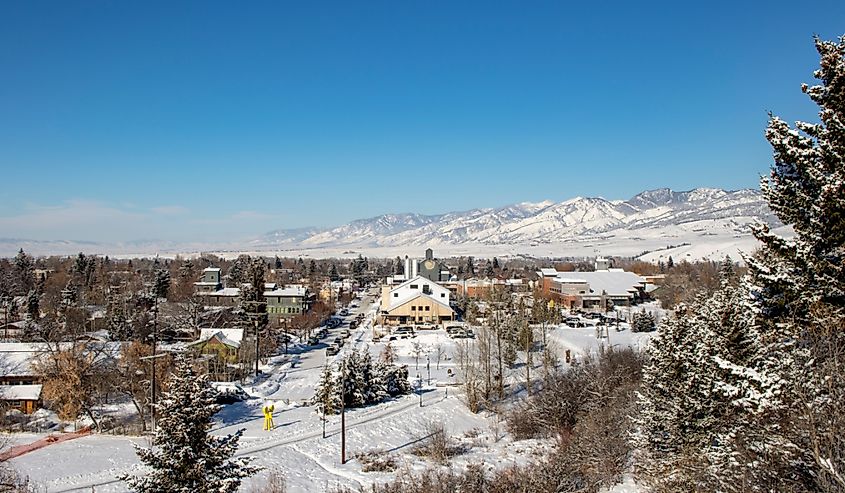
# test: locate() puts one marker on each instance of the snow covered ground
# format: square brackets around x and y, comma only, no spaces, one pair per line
[296,447]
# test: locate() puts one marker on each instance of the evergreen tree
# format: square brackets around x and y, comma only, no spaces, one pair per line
[469,269]
[326,396]
[642,321]
[69,295]
[32,305]
[333,275]
[743,391]
[398,266]
[184,457]
[161,283]
[23,273]
[239,271]
[789,412]
[186,270]
[252,301]
[395,379]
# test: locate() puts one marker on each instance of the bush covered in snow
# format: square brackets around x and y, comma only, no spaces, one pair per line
[358,381]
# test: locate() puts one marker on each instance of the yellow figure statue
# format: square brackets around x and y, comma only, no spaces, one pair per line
[268,417]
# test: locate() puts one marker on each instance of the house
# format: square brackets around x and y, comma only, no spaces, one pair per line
[219,349]
[480,288]
[593,291]
[418,300]
[20,383]
[286,302]
[209,282]
[221,297]
[25,398]
[12,330]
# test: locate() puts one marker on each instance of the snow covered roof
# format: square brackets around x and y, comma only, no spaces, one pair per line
[547,272]
[612,282]
[422,280]
[412,295]
[17,361]
[211,269]
[20,392]
[17,358]
[223,292]
[229,337]
[287,291]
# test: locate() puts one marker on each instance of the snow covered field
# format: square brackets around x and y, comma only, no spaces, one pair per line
[296,447]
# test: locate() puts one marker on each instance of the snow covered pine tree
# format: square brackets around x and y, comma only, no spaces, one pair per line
[744,389]
[184,457]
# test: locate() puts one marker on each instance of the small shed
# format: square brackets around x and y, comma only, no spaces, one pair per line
[26,398]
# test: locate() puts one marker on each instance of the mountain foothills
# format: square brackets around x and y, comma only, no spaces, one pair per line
[654,213]
[651,220]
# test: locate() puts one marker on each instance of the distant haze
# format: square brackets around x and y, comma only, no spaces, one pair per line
[707,222]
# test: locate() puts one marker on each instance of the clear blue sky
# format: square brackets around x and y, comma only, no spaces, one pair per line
[207,120]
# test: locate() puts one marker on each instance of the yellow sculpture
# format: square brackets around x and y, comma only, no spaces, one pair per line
[268,416]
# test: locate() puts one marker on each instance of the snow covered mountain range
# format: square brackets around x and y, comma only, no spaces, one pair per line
[699,223]
[662,213]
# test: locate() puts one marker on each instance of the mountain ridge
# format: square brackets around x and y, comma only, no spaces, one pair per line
[650,220]
[546,221]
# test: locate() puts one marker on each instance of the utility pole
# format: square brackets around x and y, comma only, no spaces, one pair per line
[256,347]
[155,343]
[428,367]
[343,414]
[529,336]
[419,388]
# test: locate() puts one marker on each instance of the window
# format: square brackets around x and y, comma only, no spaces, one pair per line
[442,295]
[428,308]
[413,308]
[415,286]
[395,295]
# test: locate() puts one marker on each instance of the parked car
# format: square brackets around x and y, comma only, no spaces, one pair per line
[344,312]
[344,333]
[332,350]
[338,341]
[313,341]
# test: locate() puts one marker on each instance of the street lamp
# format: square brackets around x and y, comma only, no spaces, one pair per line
[428,367]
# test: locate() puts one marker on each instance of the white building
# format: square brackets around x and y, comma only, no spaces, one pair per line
[418,300]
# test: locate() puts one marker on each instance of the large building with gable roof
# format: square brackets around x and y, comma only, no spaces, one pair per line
[418,300]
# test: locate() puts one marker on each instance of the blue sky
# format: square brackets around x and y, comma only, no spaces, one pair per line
[209,120]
